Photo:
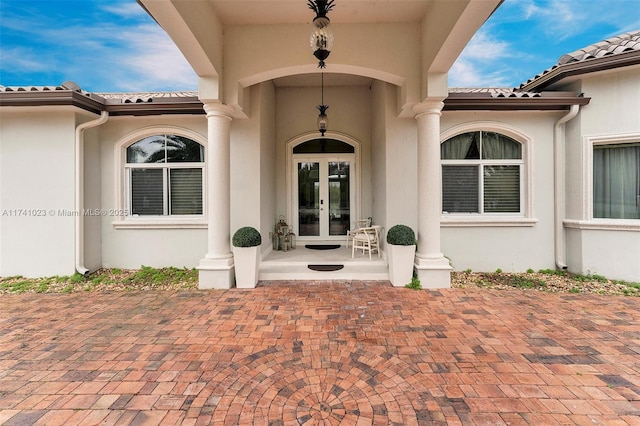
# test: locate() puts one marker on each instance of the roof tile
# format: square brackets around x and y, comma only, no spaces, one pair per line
[622,43]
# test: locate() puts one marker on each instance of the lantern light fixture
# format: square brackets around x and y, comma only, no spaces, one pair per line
[321,33]
[323,120]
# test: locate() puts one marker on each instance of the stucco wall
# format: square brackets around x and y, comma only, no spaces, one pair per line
[510,246]
[349,113]
[252,51]
[92,199]
[401,158]
[37,193]
[253,165]
[613,113]
[131,248]
[378,153]
[268,164]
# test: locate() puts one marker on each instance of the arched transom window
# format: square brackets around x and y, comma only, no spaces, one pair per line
[482,173]
[164,176]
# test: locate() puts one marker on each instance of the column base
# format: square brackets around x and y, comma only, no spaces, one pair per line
[433,272]
[216,274]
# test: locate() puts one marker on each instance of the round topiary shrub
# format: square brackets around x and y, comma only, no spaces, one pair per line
[401,235]
[246,237]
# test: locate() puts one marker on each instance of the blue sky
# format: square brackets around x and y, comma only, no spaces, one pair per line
[114,46]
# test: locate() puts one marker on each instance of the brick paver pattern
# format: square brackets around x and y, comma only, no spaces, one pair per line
[320,353]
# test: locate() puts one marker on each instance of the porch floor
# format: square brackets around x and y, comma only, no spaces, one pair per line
[293,264]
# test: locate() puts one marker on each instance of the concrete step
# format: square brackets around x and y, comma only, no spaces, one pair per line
[300,271]
[293,265]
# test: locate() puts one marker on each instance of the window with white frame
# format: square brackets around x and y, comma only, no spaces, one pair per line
[164,176]
[482,173]
[616,181]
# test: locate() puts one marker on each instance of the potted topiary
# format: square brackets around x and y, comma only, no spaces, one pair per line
[246,253]
[402,249]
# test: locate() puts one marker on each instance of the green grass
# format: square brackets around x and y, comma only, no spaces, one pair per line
[553,272]
[573,283]
[520,281]
[20,286]
[414,284]
[115,279]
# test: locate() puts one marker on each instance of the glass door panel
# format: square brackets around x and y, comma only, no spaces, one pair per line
[339,197]
[323,197]
[309,199]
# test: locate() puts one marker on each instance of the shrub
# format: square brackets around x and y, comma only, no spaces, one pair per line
[246,237]
[414,284]
[401,235]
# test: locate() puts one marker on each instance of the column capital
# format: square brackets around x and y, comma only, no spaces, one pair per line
[218,109]
[428,107]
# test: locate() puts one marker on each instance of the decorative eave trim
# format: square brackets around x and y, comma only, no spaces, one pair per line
[145,109]
[582,67]
[96,104]
[51,98]
[193,106]
[464,102]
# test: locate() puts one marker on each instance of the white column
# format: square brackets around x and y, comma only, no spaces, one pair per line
[216,268]
[433,268]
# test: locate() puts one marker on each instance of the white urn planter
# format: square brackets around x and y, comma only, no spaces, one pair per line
[401,243]
[246,261]
[401,264]
[246,243]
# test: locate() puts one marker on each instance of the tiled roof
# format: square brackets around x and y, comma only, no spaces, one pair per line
[128,98]
[67,85]
[69,93]
[124,98]
[506,99]
[611,46]
[603,50]
[493,92]
[30,88]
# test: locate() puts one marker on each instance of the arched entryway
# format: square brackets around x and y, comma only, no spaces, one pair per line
[323,185]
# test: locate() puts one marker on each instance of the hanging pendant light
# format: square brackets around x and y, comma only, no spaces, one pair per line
[323,120]
[321,33]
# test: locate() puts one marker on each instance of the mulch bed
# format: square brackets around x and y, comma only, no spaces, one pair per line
[149,279]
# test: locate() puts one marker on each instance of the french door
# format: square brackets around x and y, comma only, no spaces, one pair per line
[324,196]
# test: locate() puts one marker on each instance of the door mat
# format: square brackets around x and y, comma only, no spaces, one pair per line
[322,246]
[324,268]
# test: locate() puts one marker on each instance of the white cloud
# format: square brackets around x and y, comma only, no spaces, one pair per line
[558,18]
[124,10]
[154,60]
[484,46]
[121,49]
[468,74]
[476,65]
[23,59]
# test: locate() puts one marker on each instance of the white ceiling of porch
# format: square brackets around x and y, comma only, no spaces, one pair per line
[297,11]
[314,80]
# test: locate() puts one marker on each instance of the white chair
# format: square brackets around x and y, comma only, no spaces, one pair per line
[360,223]
[366,239]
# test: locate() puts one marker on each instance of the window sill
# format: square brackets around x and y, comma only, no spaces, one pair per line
[605,224]
[486,221]
[168,223]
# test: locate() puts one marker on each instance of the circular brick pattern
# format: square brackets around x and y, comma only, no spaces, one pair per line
[327,384]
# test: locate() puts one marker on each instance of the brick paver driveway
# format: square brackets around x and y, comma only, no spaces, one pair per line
[352,353]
